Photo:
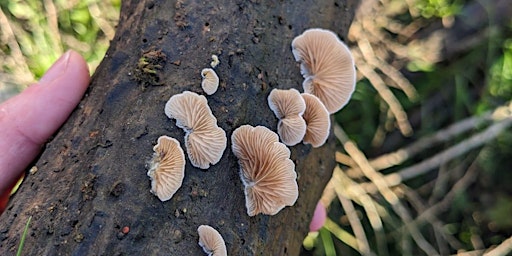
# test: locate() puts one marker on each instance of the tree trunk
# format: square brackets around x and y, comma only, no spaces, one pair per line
[91,180]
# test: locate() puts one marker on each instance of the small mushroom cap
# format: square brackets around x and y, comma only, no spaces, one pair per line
[215,61]
[291,130]
[266,170]
[327,66]
[286,103]
[211,241]
[288,107]
[205,146]
[204,140]
[317,121]
[190,110]
[167,168]
[210,81]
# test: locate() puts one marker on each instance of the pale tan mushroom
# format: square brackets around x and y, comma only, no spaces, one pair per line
[211,241]
[327,66]
[266,170]
[215,61]
[210,81]
[167,168]
[288,107]
[285,103]
[204,140]
[190,110]
[291,130]
[205,146]
[317,121]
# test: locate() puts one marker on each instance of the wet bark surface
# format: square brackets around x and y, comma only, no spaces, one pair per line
[91,180]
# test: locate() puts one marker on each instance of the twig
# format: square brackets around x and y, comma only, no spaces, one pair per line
[341,234]
[447,174]
[329,192]
[367,29]
[357,227]
[372,59]
[460,185]
[470,253]
[386,95]
[503,249]
[417,203]
[53,25]
[440,183]
[104,25]
[350,189]
[344,159]
[461,148]
[402,155]
[384,190]
[16,53]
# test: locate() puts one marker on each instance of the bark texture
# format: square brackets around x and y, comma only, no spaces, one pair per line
[91,180]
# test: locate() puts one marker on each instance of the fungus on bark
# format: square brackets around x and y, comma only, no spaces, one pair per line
[215,61]
[318,123]
[204,140]
[211,241]
[288,106]
[327,67]
[167,168]
[210,81]
[266,170]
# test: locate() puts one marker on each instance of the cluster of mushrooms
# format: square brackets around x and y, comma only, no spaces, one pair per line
[266,169]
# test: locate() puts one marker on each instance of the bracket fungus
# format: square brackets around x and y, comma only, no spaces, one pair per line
[210,81]
[327,67]
[167,168]
[204,140]
[266,170]
[288,106]
[318,123]
[211,241]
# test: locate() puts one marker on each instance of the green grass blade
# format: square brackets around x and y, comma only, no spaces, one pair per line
[22,241]
[327,241]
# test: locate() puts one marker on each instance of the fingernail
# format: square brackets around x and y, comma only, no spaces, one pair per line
[57,69]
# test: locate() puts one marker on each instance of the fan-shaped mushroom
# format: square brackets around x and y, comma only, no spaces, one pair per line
[210,81]
[167,168]
[327,66]
[190,110]
[291,130]
[204,140]
[266,170]
[317,120]
[288,107]
[205,145]
[211,241]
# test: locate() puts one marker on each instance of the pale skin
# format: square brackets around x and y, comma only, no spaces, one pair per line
[30,118]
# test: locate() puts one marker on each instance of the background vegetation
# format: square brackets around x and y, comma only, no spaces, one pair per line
[35,33]
[424,144]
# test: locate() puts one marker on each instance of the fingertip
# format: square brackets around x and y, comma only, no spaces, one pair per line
[28,119]
[52,100]
[319,217]
[76,71]
[75,59]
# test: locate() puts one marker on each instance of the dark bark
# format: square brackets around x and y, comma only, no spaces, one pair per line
[91,179]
